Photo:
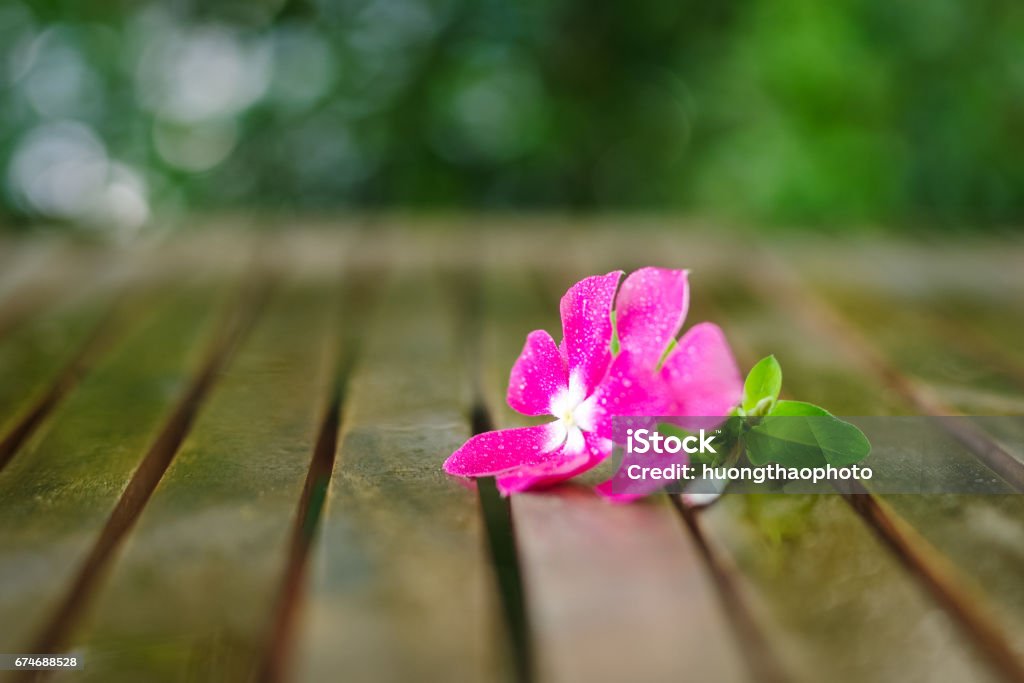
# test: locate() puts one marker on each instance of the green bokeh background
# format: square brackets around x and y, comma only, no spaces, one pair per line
[779,112]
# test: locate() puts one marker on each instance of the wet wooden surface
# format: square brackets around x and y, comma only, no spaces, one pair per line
[221,460]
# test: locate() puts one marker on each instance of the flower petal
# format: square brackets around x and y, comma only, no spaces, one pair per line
[702,375]
[565,466]
[496,452]
[630,388]
[587,327]
[703,381]
[649,311]
[537,376]
[562,467]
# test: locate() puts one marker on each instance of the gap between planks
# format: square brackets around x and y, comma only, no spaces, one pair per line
[466,290]
[96,343]
[400,580]
[764,663]
[278,653]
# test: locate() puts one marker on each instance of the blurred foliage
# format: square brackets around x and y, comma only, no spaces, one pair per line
[850,111]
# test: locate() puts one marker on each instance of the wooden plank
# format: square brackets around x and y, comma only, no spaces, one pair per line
[613,592]
[56,495]
[193,593]
[400,586]
[618,592]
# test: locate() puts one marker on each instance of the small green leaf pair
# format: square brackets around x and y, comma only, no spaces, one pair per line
[793,433]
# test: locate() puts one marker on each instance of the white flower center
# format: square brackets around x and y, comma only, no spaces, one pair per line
[574,413]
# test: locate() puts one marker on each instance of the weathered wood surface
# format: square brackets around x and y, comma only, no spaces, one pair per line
[400,587]
[222,513]
[202,486]
[58,490]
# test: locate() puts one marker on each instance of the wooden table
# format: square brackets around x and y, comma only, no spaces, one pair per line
[221,460]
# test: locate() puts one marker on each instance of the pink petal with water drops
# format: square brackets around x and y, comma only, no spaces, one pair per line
[565,466]
[537,376]
[587,327]
[631,388]
[701,373]
[492,453]
[649,311]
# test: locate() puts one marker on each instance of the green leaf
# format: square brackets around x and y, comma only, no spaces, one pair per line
[762,387]
[798,434]
[792,408]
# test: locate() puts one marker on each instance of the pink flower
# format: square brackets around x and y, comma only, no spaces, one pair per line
[584,387]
